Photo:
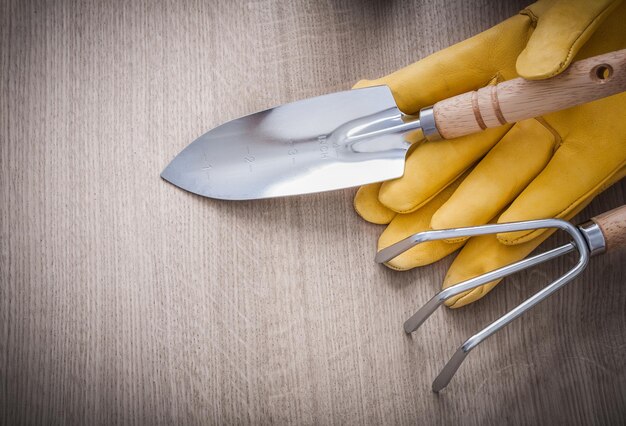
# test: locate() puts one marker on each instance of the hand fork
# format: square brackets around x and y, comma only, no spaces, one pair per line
[606,232]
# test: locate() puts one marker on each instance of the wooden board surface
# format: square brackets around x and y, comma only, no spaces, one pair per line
[126,300]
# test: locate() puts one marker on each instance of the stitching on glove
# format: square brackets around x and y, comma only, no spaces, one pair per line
[388,265]
[531,15]
[458,302]
[473,295]
[557,137]
[454,240]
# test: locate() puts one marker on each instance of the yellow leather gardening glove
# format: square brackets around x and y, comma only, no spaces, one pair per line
[547,167]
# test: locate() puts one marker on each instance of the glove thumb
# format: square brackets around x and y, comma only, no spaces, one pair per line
[561,30]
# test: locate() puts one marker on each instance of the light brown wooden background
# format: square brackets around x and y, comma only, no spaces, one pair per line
[126,300]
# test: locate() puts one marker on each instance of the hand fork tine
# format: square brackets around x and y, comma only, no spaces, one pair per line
[591,238]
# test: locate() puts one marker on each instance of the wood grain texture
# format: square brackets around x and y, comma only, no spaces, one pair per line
[124,300]
[519,99]
[613,226]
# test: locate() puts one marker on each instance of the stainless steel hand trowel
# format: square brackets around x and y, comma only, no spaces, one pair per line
[356,137]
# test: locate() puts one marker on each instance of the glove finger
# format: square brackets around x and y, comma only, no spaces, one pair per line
[432,166]
[591,156]
[561,31]
[367,206]
[539,201]
[486,253]
[499,177]
[404,225]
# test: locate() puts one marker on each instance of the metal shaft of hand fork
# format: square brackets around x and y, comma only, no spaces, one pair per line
[588,239]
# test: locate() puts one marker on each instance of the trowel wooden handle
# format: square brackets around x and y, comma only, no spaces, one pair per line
[613,226]
[519,99]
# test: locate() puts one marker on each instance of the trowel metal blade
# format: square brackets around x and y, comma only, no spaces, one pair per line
[329,142]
